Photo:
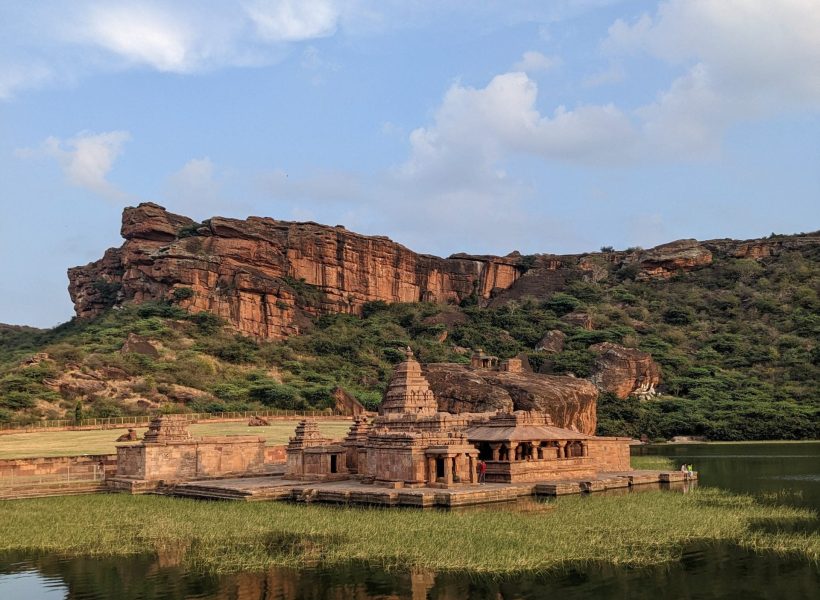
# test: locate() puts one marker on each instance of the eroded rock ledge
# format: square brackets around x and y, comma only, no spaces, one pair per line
[268,277]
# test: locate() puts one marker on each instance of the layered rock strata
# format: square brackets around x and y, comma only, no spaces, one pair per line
[268,278]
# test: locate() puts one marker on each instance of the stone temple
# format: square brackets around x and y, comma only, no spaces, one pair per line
[411,444]
[410,454]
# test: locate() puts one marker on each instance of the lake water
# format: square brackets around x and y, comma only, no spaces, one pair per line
[776,472]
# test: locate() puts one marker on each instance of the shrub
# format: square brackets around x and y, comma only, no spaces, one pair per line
[276,395]
[561,303]
[677,315]
[577,362]
[207,323]
[182,293]
[17,400]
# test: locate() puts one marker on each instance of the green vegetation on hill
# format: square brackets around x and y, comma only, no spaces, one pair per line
[736,341]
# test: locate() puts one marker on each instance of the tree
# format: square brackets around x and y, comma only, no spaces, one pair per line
[78,412]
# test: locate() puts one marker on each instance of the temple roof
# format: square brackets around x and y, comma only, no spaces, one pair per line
[520,426]
[521,433]
[408,391]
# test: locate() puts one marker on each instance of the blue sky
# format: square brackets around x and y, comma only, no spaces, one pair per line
[447,126]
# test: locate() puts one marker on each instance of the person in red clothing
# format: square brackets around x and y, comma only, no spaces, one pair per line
[482,470]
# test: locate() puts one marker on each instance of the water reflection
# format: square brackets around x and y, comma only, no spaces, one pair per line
[781,472]
[716,571]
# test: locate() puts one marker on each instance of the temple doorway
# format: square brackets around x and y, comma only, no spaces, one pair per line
[439,468]
[333,465]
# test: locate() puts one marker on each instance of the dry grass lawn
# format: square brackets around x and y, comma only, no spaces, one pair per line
[101,441]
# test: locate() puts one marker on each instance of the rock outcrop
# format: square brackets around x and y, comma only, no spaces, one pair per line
[623,371]
[552,342]
[139,345]
[579,319]
[570,402]
[267,277]
[665,260]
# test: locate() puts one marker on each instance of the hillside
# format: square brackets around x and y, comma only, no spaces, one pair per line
[732,326]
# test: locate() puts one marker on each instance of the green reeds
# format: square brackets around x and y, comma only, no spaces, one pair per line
[632,529]
[653,463]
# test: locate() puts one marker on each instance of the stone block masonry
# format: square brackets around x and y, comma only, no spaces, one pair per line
[168,454]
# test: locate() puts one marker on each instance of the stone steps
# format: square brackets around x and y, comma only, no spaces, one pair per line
[356,492]
[44,491]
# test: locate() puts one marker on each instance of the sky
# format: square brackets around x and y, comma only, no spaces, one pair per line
[449,126]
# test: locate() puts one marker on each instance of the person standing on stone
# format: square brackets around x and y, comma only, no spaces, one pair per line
[482,471]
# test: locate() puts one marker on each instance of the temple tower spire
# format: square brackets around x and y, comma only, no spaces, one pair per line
[408,391]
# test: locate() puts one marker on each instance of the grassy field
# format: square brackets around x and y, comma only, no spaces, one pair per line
[72,443]
[632,529]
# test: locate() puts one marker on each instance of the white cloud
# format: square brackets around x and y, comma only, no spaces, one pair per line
[293,20]
[743,59]
[533,62]
[474,130]
[41,40]
[142,35]
[86,159]
[14,78]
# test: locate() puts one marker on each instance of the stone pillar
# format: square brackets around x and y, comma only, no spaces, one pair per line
[448,470]
[431,469]
[584,448]
[514,451]
[495,448]
[536,450]
[562,449]
[472,465]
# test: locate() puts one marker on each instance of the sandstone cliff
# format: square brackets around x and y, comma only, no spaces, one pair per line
[569,401]
[268,278]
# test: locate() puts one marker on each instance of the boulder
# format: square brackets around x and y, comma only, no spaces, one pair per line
[570,402]
[579,319]
[36,359]
[137,344]
[624,371]
[258,422]
[552,342]
[185,394]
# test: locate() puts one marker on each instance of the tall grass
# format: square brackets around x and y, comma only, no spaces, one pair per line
[655,463]
[634,529]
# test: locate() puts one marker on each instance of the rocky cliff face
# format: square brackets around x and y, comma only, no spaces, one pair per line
[268,278]
[624,371]
[569,401]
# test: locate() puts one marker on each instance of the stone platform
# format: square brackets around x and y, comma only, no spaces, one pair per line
[355,492]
